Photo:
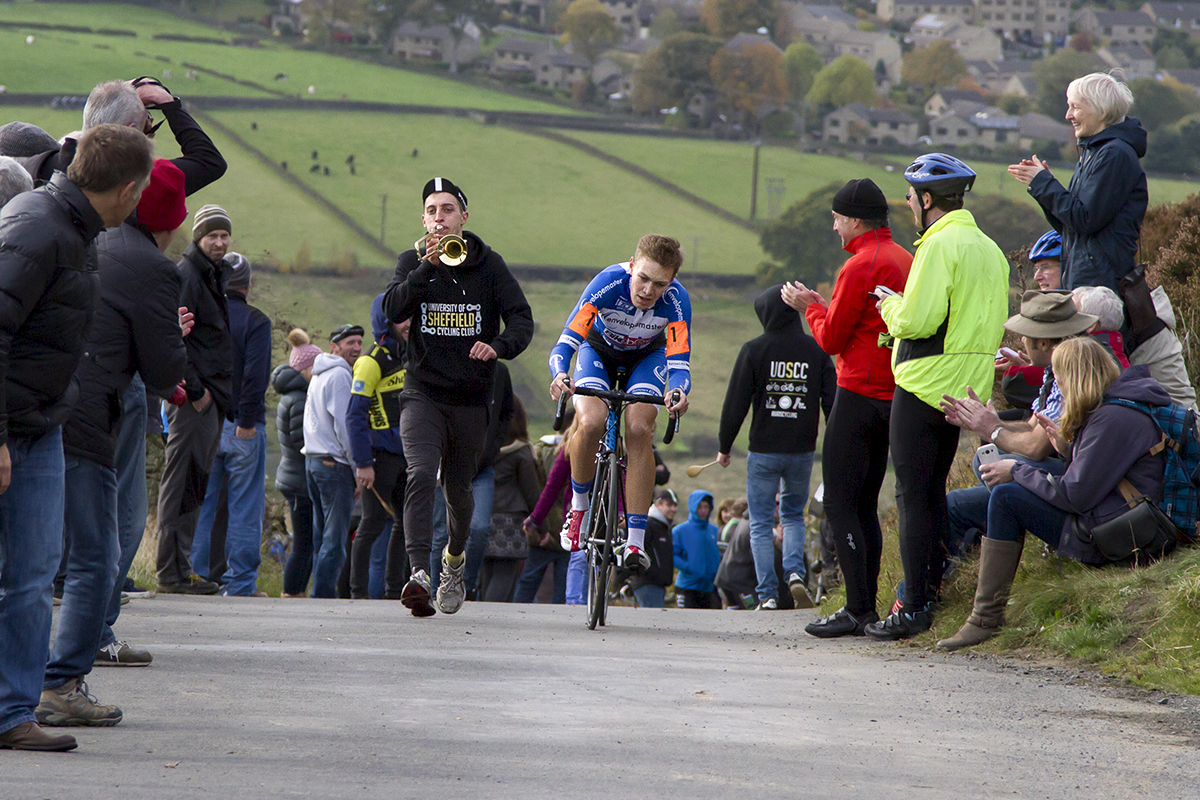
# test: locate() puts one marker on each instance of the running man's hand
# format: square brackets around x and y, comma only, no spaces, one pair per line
[723,460]
[560,384]
[365,477]
[482,351]
[677,402]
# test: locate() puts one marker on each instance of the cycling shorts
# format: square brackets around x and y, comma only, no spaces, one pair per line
[645,370]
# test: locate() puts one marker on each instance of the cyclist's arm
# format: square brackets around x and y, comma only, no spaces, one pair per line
[679,339]
[603,289]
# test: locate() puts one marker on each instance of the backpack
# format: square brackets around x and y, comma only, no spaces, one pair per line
[1181,471]
[543,458]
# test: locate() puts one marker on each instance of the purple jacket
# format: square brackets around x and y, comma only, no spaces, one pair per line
[1114,443]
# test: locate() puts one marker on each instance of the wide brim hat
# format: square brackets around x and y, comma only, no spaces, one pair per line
[1049,315]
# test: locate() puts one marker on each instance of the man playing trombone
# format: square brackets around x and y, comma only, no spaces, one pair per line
[456,301]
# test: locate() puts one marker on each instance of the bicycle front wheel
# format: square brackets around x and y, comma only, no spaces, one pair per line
[600,541]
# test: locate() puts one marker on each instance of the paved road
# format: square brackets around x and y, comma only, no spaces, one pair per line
[301,698]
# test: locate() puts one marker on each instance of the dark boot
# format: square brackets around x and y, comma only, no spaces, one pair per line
[998,563]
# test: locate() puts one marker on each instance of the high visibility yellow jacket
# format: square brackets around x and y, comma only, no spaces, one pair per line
[951,317]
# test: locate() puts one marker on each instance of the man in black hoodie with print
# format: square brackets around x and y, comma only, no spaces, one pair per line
[455,338]
[785,379]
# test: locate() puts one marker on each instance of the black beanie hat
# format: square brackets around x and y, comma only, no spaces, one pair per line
[861,199]
[436,185]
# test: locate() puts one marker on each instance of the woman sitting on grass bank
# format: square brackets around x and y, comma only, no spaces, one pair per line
[1103,443]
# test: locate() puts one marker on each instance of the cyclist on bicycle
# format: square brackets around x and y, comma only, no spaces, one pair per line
[633,316]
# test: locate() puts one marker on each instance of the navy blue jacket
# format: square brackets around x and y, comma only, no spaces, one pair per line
[251,333]
[1100,214]
[363,438]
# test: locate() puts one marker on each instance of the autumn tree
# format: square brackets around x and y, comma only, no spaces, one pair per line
[935,66]
[803,243]
[1157,104]
[726,18]
[847,79]
[749,76]
[1052,76]
[801,63]
[674,71]
[590,28]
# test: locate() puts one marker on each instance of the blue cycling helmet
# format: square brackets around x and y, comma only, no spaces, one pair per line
[1049,246]
[940,174]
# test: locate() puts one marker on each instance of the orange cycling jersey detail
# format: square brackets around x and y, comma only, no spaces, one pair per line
[677,338]
[582,323]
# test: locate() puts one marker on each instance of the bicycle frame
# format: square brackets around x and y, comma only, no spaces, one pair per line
[600,535]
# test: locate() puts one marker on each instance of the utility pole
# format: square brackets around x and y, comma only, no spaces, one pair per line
[754,183]
[383,221]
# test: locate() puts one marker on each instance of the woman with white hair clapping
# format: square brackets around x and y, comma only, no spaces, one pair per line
[1100,213]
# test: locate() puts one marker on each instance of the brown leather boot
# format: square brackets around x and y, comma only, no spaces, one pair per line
[31,736]
[998,563]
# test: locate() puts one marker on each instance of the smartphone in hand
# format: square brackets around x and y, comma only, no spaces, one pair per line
[988,453]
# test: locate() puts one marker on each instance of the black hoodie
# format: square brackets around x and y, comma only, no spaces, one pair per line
[785,377]
[451,309]
[1100,214]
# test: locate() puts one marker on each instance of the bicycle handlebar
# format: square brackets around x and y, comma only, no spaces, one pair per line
[620,397]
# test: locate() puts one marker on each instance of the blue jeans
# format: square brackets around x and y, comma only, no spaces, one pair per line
[243,462]
[535,569]
[577,579]
[1013,509]
[90,525]
[131,493]
[379,557]
[766,475]
[31,541]
[332,492]
[298,569]
[650,596]
[483,489]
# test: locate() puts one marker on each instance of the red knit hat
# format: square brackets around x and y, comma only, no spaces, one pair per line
[161,207]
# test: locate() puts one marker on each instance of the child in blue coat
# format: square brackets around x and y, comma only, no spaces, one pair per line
[696,554]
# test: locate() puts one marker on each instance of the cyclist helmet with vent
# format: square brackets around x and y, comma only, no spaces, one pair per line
[1049,246]
[940,174]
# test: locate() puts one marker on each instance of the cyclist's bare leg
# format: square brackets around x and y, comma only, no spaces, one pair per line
[591,415]
[639,469]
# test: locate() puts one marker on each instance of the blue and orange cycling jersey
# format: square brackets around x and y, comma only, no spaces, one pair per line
[605,307]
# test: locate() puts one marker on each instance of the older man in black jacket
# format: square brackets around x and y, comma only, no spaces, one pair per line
[49,287]
[194,429]
[136,329]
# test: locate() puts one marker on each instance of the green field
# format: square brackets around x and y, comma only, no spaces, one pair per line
[73,63]
[721,171]
[535,201]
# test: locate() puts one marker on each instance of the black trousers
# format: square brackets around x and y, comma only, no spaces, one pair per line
[450,436]
[854,462]
[923,448]
[694,598]
[390,480]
